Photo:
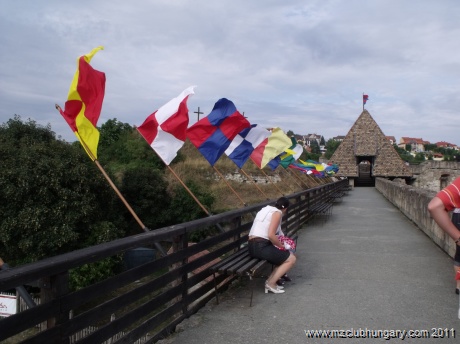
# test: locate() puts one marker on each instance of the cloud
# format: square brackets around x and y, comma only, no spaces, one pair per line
[302,66]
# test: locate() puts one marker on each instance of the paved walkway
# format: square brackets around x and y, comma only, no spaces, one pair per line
[365,269]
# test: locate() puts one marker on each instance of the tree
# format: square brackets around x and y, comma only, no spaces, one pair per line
[52,199]
[315,147]
[145,190]
[419,157]
[429,147]
[331,147]
[122,147]
[111,131]
[184,208]
[322,142]
[404,154]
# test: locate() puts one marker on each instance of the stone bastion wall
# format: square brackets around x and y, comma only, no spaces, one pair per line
[413,202]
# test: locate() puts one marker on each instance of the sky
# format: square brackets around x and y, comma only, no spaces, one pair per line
[298,65]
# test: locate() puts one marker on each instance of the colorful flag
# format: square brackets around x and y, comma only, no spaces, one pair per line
[365,98]
[84,103]
[165,129]
[213,134]
[315,168]
[274,163]
[291,154]
[244,144]
[271,147]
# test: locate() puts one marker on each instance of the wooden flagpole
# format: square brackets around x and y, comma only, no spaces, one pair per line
[292,178]
[253,181]
[114,187]
[276,186]
[313,179]
[226,182]
[290,186]
[271,181]
[188,190]
[300,179]
[306,177]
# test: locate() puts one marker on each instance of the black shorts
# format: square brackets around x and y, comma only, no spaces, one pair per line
[456,222]
[265,250]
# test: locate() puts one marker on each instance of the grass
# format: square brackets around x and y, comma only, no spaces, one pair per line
[259,185]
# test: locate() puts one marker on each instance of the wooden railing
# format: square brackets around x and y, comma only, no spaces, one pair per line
[147,301]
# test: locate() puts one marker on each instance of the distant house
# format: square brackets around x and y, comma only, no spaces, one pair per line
[312,137]
[417,144]
[438,156]
[447,145]
[392,139]
[339,138]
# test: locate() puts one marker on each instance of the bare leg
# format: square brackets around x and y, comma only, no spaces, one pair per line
[281,270]
[457,269]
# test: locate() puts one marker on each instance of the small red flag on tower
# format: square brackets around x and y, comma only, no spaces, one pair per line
[365,98]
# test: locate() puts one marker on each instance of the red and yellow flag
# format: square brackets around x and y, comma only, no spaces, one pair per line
[84,103]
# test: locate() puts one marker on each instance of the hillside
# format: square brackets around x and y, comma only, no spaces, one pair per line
[270,184]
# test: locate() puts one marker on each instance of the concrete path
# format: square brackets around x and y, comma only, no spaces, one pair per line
[366,272]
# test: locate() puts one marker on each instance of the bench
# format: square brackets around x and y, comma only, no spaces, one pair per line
[321,208]
[337,196]
[240,263]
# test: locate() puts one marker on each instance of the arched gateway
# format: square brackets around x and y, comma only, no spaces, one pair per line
[366,153]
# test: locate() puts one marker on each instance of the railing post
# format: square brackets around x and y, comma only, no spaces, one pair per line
[236,223]
[179,242]
[52,288]
[184,244]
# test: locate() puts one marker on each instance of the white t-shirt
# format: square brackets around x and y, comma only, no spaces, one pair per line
[262,222]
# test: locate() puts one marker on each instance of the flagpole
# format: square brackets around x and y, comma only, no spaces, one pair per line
[288,186]
[253,181]
[189,191]
[307,178]
[186,188]
[138,220]
[226,181]
[316,182]
[271,181]
[310,183]
[300,179]
[290,176]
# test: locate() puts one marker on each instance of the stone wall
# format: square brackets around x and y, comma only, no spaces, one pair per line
[413,203]
[428,174]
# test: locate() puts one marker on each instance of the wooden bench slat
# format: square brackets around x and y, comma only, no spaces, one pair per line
[239,264]
[253,265]
[230,266]
[229,260]
[258,266]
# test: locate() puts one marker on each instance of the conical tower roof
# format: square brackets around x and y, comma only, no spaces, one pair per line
[366,139]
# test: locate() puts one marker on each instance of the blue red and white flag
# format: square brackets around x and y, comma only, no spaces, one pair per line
[213,134]
[245,142]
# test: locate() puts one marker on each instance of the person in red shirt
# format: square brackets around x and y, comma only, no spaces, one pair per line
[445,201]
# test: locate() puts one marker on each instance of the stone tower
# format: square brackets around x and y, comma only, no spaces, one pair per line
[365,144]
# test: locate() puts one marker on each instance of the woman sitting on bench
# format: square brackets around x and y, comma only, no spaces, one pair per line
[264,244]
